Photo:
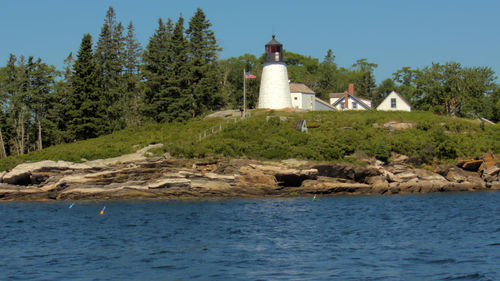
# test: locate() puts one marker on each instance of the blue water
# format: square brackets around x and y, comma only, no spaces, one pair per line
[399,237]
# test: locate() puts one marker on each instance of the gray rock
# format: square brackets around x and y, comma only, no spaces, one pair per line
[326,185]
[398,158]
[428,175]
[469,179]
[22,173]
[492,174]
[493,185]
[169,183]
[376,180]
[347,171]
[395,125]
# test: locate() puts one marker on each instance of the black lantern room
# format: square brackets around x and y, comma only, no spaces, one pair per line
[274,51]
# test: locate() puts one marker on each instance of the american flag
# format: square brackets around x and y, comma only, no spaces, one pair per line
[249,76]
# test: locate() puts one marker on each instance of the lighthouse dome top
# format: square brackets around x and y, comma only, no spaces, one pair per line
[274,42]
[274,51]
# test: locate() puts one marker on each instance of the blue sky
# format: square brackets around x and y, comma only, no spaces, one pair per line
[391,33]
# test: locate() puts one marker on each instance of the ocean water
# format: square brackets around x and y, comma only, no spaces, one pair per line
[453,236]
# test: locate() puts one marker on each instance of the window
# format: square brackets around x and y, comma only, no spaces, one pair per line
[342,106]
[354,105]
[393,103]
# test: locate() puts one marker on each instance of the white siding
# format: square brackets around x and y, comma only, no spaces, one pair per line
[308,101]
[333,100]
[296,100]
[274,88]
[367,102]
[400,105]
[303,100]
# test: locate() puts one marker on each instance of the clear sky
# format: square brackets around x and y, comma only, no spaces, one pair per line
[391,33]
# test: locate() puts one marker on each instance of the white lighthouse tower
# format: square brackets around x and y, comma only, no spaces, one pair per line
[274,88]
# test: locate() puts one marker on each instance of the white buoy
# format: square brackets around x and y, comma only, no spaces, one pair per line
[274,90]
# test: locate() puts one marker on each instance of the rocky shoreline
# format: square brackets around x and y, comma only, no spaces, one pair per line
[136,176]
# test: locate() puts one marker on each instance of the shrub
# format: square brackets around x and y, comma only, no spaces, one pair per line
[382,152]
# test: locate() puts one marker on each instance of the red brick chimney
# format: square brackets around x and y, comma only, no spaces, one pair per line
[351,89]
[346,99]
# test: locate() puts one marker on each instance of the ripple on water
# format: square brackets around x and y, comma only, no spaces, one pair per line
[425,237]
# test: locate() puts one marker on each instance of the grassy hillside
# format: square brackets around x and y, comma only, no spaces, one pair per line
[264,136]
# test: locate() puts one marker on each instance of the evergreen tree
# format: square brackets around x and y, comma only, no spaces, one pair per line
[365,82]
[87,112]
[57,118]
[180,100]
[328,76]
[3,120]
[205,78]
[3,115]
[330,57]
[40,89]
[63,94]
[156,69]
[110,65]
[130,103]
[16,88]
[133,52]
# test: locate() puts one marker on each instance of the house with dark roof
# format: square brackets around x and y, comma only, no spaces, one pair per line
[394,101]
[305,98]
[348,101]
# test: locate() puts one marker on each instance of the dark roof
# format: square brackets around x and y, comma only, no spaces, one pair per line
[300,88]
[358,100]
[273,42]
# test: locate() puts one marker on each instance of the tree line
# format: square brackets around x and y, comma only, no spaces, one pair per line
[116,83]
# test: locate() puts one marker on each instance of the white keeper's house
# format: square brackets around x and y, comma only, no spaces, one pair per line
[304,98]
[394,101]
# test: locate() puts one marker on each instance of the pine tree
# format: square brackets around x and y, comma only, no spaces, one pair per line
[57,117]
[3,153]
[110,65]
[156,69]
[3,117]
[87,112]
[328,76]
[205,81]
[16,88]
[180,100]
[133,52]
[365,81]
[130,103]
[41,83]
[330,57]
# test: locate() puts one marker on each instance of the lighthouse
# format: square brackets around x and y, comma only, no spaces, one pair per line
[274,88]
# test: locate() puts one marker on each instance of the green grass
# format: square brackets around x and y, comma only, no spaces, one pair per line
[339,134]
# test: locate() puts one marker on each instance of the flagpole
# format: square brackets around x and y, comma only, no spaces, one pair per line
[244,94]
